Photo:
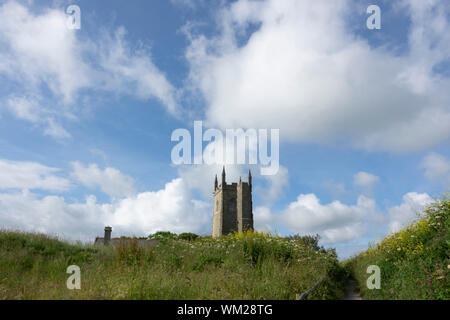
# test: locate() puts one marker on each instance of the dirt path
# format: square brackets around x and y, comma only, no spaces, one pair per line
[351,292]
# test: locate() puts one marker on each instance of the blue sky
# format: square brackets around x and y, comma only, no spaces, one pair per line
[86,115]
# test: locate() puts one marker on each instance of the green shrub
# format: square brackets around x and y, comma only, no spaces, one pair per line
[187,236]
[414,262]
[307,240]
[163,235]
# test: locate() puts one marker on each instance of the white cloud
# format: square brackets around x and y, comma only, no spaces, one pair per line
[170,208]
[305,71]
[30,109]
[110,180]
[133,72]
[174,207]
[50,214]
[30,175]
[41,50]
[402,215]
[437,167]
[365,179]
[263,219]
[54,64]
[335,222]
[55,130]
[25,109]
[277,184]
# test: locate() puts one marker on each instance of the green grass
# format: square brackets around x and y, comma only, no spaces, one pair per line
[414,262]
[242,266]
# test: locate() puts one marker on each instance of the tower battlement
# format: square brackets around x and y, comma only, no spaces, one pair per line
[232,206]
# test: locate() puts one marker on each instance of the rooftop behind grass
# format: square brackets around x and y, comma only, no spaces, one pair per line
[241,266]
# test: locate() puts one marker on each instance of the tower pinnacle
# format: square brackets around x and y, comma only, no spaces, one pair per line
[223,176]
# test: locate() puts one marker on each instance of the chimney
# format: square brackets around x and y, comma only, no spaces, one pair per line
[107,237]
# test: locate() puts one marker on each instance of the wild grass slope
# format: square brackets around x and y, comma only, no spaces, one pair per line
[414,262]
[245,266]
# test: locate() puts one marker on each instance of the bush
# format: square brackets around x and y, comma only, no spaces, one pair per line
[187,236]
[163,235]
[308,240]
[414,262]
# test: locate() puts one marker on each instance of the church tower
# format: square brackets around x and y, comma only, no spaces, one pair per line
[232,206]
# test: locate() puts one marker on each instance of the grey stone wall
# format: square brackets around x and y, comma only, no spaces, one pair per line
[217,214]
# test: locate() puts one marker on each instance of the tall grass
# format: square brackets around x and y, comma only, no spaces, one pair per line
[241,266]
[414,262]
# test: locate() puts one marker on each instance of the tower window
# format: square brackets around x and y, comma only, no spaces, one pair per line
[232,205]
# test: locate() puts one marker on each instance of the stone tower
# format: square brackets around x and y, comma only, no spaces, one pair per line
[232,206]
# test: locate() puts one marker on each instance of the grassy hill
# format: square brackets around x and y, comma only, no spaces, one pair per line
[242,266]
[414,262]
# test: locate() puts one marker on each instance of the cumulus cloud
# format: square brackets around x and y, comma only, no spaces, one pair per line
[267,69]
[31,175]
[110,180]
[437,168]
[335,221]
[365,179]
[54,64]
[263,219]
[174,207]
[402,215]
[51,214]
[170,208]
